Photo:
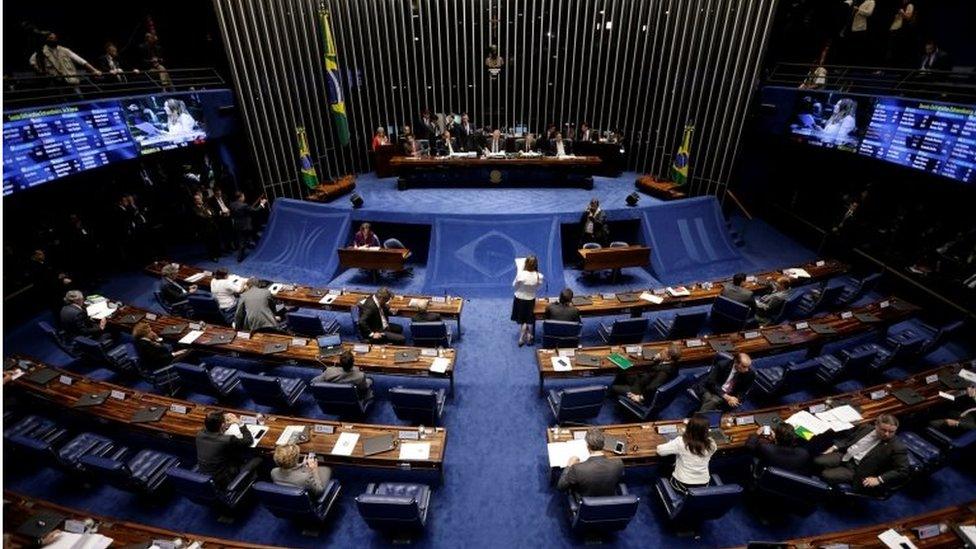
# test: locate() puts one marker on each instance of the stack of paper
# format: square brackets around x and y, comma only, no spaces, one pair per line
[289,434]
[560,452]
[807,425]
[191,337]
[893,539]
[257,431]
[345,444]
[414,451]
[100,309]
[796,273]
[840,418]
[439,365]
[416,303]
[655,299]
[67,540]
[561,364]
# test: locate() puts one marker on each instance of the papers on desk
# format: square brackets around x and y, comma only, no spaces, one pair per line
[560,452]
[290,434]
[967,375]
[345,444]
[99,310]
[837,419]
[893,539]
[655,299]
[494,155]
[439,365]
[469,154]
[561,364]
[328,299]
[414,451]
[257,431]
[194,278]
[416,303]
[190,337]
[796,273]
[565,156]
[807,425]
[680,291]
[841,418]
[968,531]
[67,540]
[519,264]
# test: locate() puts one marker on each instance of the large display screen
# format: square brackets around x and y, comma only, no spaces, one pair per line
[829,120]
[160,123]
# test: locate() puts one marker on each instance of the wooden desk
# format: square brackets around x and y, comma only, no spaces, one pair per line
[512,170]
[659,188]
[382,259]
[611,155]
[615,258]
[643,438]
[752,341]
[382,156]
[378,360]
[867,536]
[327,192]
[306,296]
[184,427]
[18,508]
[600,306]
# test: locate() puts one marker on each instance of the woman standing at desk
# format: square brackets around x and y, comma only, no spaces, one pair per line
[365,237]
[527,282]
[380,138]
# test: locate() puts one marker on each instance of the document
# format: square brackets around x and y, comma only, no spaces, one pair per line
[807,425]
[67,540]
[414,451]
[289,435]
[655,299]
[796,273]
[439,365]
[192,336]
[99,310]
[345,444]
[196,277]
[680,291]
[560,452]
[893,539]
[416,303]
[561,364]
[257,431]
[967,375]
[328,299]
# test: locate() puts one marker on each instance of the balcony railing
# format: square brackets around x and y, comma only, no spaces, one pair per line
[958,85]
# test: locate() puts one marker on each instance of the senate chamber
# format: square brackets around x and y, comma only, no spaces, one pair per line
[489,273]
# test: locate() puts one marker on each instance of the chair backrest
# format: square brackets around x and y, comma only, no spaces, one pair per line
[858,357]
[793,486]
[393,513]
[560,333]
[792,304]
[264,390]
[709,502]
[908,349]
[114,471]
[942,334]
[90,349]
[687,324]
[868,283]
[204,306]
[607,514]
[429,332]
[415,404]
[581,397]
[288,502]
[629,327]
[829,296]
[667,392]
[56,336]
[591,246]
[304,324]
[796,374]
[393,243]
[194,377]
[335,393]
[728,313]
[198,487]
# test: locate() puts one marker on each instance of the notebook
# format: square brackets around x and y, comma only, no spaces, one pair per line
[172,330]
[272,348]
[217,339]
[148,414]
[587,360]
[406,356]
[908,396]
[378,444]
[620,360]
[41,524]
[42,376]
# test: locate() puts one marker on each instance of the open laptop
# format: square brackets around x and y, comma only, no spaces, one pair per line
[330,345]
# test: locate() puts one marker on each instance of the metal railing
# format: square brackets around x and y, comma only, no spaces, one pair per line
[25,90]
[958,85]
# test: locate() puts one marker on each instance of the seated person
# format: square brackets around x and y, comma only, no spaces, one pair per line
[306,474]
[640,386]
[736,292]
[423,315]
[411,147]
[961,417]
[171,291]
[528,144]
[153,353]
[726,383]
[220,455]
[769,306]
[495,143]
[563,309]
[256,308]
[446,145]
[365,237]
[869,458]
[779,449]
[347,372]
[559,146]
[373,322]
[75,320]
[225,291]
[587,134]
[597,476]
[692,450]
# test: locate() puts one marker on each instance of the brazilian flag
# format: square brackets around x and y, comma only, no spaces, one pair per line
[309,175]
[679,168]
[333,84]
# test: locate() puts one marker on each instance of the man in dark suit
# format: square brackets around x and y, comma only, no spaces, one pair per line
[446,145]
[935,59]
[595,477]
[465,133]
[49,284]
[347,372]
[563,309]
[779,450]
[559,146]
[961,417]
[223,455]
[374,324]
[770,306]
[586,134]
[640,386]
[495,143]
[726,383]
[736,292]
[528,144]
[75,320]
[870,458]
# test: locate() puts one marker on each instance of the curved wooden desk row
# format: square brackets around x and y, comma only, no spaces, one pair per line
[18,509]
[642,438]
[380,359]
[698,295]
[759,341]
[183,419]
[943,522]
[311,298]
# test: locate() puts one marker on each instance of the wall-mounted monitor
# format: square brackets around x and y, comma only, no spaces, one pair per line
[164,122]
[830,120]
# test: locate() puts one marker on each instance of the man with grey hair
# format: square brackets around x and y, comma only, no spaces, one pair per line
[597,476]
[256,308]
[75,320]
[871,458]
[171,292]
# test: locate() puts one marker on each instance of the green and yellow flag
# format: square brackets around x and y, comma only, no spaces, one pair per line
[679,168]
[333,84]
[309,176]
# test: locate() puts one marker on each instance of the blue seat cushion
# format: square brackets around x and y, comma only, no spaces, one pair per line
[149,467]
[83,445]
[223,376]
[292,385]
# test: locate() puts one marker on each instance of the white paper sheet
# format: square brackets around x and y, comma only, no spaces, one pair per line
[414,451]
[967,375]
[809,422]
[328,299]
[67,540]
[560,452]
[195,277]
[345,444]
[439,365]
[893,539]
[99,310]
[416,303]
[287,434]
[191,337]
[655,299]
[796,273]
[561,364]
[257,431]
[678,292]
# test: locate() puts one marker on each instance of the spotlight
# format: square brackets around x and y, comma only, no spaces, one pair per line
[357,201]
[632,199]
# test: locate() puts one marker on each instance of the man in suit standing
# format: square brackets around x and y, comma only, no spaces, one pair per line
[563,309]
[641,386]
[769,306]
[597,476]
[75,320]
[586,134]
[559,146]
[779,450]
[736,292]
[593,224]
[223,455]
[255,308]
[870,458]
[962,416]
[465,133]
[347,372]
[374,324]
[726,383]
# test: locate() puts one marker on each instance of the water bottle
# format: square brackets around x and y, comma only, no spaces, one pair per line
[421,432]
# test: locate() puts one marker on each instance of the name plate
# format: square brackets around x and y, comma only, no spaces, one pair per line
[360,348]
[802,325]
[298,342]
[750,335]
[947,396]
[931,379]
[408,435]
[658,291]
[817,408]
[927,531]
[165,543]
[820,263]
[428,352]
[117,395]
[750,278]
[875,395]
[73,526]
[151,316]
[249,420]
[324,429]
[244,335]
[195,326]
[665,429]
[66,380]
[177,408]
[579,435]
[692,343]
[884,304]
[846,314]
[745,420]
[632,349]
[439,299]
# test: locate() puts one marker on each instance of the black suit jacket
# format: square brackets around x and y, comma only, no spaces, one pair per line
[740,294]
[795,459]
[595,477]
[558,311]
[369,317]
[221,455]
[75,322]
[720,372]
[442,146]
[959,406]
[464,137]
[152,354]
[888,460]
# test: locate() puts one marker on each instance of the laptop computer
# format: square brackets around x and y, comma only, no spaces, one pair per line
[582,300]
[378,444]
[218,338]
[132,318]
[43,376]
[148,414]
[406,356]
[91,399]
[908,396]
[329,345]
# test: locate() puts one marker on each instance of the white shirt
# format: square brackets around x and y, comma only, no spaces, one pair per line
[527,284]
[727,386]
[222,206]
[859,449]
[560,150]
[379,308]
[688,467]
[861,15]
[225,291]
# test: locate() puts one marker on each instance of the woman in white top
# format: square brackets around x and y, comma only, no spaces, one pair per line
[526,283]
[692,452]
[225,291]
[841,123]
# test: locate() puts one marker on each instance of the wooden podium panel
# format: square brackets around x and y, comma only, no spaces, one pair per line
[382,259]
[615,258]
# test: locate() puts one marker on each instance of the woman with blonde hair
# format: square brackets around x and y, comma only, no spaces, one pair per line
[527,283]
[306,473]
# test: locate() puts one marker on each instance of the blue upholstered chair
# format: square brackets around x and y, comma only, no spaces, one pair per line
[602,514]
[394,244]
[729,316]
[591,246]
[34,435]
[924,457]
[795,376]
[431,334]
[298,504]
[395,507]
[663,396]
[814,301]
[203,306]
[791,309]
[310,325]
[200,487]
[560,333]
[216,381]
[628,330]
[341,399]
[576,403]
[853,290]
[58,338]
[116,358]
[955,446]
[144,472]
[274,391]
[421,406]
[164,379]
[851,361]
[700,503]
[900,350]
[681,326]
[181,308]
[932,338]
[44,447]
[790,491]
